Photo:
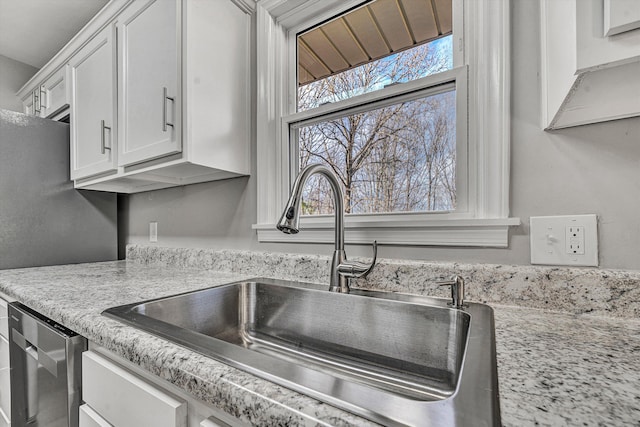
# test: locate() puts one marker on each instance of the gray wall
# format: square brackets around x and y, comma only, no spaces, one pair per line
[588,169]
[13,75]
[43,220]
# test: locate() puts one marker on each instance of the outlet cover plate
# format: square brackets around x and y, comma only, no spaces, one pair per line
[549,245]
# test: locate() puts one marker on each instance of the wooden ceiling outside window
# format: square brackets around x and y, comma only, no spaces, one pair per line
[379,29]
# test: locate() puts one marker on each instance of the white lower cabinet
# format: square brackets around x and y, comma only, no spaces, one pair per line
[125,400]
[5,385]
[213,422]
[118,393]
[90,418]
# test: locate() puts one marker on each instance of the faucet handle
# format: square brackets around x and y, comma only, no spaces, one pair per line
[457,290]
[358,269]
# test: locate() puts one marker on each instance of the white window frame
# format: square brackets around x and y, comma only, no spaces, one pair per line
[481,75]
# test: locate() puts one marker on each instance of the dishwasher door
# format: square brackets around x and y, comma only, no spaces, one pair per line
[45,370]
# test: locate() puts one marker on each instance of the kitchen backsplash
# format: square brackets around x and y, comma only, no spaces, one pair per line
[574,290]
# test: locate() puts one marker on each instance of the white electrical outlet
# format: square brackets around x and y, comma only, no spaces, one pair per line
[153,231]
[574,239]
[564,240]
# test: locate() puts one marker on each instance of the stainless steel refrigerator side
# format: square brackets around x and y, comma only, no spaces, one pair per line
[43,219]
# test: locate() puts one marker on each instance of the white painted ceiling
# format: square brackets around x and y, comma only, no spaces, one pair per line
[33,31]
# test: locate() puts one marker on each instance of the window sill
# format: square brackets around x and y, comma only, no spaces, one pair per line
[433,232]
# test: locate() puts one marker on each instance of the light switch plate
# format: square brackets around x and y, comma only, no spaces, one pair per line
[564,240]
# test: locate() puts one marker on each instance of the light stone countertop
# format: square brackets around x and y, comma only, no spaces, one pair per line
[554,368]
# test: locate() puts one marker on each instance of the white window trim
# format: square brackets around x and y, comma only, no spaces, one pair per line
[485,223]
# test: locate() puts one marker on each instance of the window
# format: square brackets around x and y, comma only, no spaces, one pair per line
[392,154]
[417,136]
[397,157]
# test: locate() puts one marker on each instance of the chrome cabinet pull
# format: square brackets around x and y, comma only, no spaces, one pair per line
[164,109]
[36,103]
[37,100]
[43,98]
[103,146]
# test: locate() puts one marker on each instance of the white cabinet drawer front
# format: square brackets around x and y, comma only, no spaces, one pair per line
[124,400]
[4,419]
[90,418]
[4,327]
[4,319]
[213,422]
[5,392]
[4,353]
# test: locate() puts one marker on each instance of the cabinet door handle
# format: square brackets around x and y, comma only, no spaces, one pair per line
[164,109]
[44,99]
[36,102]
[103,146]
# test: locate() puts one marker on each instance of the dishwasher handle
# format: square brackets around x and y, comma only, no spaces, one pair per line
[47,361]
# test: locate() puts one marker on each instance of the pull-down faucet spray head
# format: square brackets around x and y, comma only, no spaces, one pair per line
[289,221]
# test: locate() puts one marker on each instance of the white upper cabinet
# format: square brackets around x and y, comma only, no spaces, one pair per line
[31,102]
[183,95]
[48,99]
[148,75]
[590,61]
[28,102]
[92,78]
[171,81]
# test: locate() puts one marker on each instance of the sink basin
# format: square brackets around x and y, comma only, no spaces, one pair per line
[392,358]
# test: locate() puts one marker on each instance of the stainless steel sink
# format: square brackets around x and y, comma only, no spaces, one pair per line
[392,358]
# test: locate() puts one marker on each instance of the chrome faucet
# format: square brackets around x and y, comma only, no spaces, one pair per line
[341,269]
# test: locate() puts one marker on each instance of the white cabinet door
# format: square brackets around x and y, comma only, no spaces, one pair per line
[54,94]
[148,98]
[93,133]
[27,103]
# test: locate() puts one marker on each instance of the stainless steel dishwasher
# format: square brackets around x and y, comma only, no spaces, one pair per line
[45,370]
